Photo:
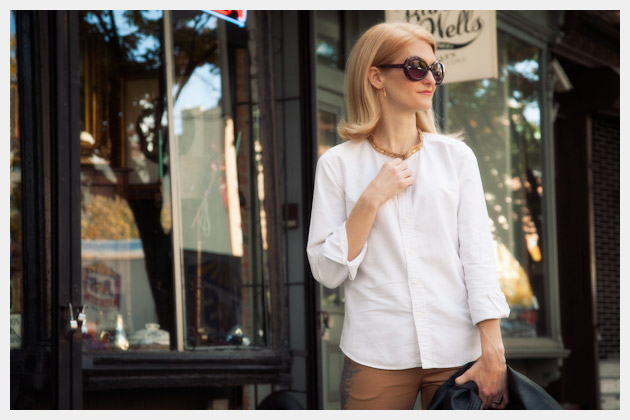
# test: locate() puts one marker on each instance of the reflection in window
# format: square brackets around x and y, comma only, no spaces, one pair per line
[126,248]
[327,133]
[219,183]
[329,43]
[16,274]
[327,138]
[502,123]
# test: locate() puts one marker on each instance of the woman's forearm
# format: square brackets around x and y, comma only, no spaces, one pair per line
[490,371]
[359,223]
[491,341]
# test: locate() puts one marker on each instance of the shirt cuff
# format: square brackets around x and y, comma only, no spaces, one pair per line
[336,249]
[492,305]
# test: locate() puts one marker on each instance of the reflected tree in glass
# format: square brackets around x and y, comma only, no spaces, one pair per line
[216,251]
[501,120]
[126,242]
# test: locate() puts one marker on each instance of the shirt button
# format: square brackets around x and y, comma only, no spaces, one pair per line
[406,220]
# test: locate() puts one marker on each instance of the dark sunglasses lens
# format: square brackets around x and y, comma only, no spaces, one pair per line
[417,73]
[417,62]
[417,68]
[438,73]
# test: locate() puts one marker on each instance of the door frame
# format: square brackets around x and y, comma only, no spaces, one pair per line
[46,370]
[63,106]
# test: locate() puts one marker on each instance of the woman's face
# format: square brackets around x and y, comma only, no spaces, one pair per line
[404,94]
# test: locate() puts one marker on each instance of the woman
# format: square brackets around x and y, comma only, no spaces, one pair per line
[399,218]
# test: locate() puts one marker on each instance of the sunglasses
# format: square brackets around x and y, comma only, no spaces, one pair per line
[415,68]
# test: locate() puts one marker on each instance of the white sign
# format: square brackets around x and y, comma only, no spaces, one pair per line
[466,40]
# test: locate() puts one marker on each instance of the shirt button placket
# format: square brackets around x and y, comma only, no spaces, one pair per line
[413,263]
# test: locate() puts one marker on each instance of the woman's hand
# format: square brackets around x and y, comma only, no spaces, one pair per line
[393,178]
[491,378]
[490,370]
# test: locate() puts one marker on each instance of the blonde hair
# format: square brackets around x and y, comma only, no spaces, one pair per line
[377,46]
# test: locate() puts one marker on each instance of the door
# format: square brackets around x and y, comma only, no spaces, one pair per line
[45,258]
[62,28]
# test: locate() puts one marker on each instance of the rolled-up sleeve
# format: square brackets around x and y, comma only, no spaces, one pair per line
[476,251]
[327,246]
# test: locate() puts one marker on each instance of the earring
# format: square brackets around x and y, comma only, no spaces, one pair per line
[384,92]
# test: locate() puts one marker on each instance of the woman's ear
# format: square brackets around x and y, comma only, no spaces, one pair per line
[374,76]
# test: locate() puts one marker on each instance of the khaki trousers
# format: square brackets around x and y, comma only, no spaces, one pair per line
[367,388]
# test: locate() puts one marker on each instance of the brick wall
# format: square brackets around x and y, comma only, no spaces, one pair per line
[605,169]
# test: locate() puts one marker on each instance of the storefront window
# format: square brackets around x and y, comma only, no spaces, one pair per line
[15,244]
[502,122]
[220,187]
[131,189]
[125,210]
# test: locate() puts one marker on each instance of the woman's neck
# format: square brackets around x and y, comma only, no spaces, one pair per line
[396,133]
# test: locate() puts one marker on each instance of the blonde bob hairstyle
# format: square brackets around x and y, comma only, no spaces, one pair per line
[377,46]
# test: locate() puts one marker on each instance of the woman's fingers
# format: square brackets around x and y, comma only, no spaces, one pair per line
[462,379]
[503,401]
[491,388]
[502,395]
[487,400]
[494,394]
[393,178]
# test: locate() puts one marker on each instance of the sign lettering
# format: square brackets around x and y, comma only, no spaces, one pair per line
[466,40]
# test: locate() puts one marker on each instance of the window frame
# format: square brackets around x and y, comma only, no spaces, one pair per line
[32,363]
[552,345]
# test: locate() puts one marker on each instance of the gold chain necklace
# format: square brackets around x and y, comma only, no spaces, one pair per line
[403,156]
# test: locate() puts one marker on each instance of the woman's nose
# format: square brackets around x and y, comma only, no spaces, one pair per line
[429,78]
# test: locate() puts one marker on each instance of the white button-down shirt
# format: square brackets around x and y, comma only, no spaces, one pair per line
[426,274]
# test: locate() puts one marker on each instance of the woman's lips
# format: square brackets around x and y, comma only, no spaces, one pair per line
[427,92]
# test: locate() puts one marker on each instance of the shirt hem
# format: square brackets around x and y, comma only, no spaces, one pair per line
[354,359]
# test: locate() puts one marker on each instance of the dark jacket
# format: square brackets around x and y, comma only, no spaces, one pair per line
[524,393]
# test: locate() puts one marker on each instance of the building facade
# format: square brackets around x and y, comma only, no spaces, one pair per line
[162,167]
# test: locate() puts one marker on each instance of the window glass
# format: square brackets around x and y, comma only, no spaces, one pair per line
[126,247]
[329,42]
[502,121]
[327,131]
[220,185]
[128,233]
[15,244]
